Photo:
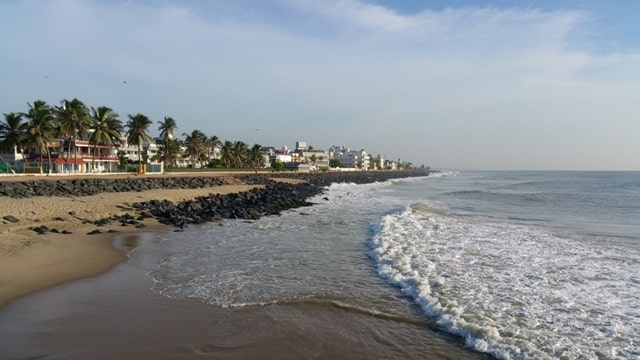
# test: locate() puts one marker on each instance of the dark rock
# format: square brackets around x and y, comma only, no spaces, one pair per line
[94,232]
[11,219]
[41,230]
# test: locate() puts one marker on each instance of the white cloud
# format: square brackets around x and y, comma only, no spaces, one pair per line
[474,87]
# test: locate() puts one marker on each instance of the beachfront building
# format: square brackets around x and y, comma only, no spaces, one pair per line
[80,157]
[128,154]
[316,159]
[355,159]
[105,159]
[283,154]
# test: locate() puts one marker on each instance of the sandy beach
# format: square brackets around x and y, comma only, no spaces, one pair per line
[31,262]
[114,312]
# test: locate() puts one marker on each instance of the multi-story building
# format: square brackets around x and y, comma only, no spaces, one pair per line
[357,159]
[317,159]
[82,157]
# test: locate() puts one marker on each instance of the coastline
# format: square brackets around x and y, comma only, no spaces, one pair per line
[59,317]
[30,262]
[75,246]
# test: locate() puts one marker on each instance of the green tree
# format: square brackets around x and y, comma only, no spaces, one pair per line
[41,129]
[12,133]
[213,144]
[226,154]
[137,134]
[167,127]
[335,163]
[196,146]
[169,152]
[277,165]
[107,129]
[74,121]
[255,156]
[240,150]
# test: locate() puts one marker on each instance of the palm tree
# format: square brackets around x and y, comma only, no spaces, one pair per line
[255,156]
[41,128]
[196,146]
[75,121]
[240,150]
[214,143]
[167,127]
[137,134]
[107,129]
[12,132]
[170,151]
[313,159]
[226,154]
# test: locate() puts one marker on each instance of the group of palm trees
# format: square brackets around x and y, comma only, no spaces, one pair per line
[203,151]
[42,125]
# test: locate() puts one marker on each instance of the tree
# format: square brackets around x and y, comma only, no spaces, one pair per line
[74,120]
[335,163]
[226,154]
[277,165]
[240,150]
[214,143]
[41,128]
[195,146]
[170,151]
[137,134]
[12,133]
[107,129]
[167,127]
[254,156]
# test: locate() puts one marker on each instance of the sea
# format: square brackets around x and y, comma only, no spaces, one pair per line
[515,265]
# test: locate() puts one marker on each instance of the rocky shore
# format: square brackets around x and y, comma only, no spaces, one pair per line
[57,229]
[42,186]
[270,198]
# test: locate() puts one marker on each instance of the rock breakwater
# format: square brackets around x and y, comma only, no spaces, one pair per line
[271,198]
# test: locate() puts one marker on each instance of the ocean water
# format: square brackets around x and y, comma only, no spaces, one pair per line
[517,265]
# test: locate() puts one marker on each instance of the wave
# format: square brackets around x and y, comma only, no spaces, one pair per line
[512,291]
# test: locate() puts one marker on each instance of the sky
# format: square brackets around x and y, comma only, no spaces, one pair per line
[496,85]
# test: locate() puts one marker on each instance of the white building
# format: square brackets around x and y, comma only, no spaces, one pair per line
[317,159]
[357,159]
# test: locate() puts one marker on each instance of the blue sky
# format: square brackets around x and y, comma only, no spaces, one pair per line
[450,84]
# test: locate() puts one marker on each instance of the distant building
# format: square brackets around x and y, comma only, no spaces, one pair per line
[357,159]
[301,146]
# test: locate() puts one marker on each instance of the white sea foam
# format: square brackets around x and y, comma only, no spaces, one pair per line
[512,288]
[512,291]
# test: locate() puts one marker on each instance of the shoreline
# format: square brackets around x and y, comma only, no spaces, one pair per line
[30,262]
[75,244]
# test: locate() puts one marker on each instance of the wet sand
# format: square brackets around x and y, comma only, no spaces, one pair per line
[31,262]
[116,316]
